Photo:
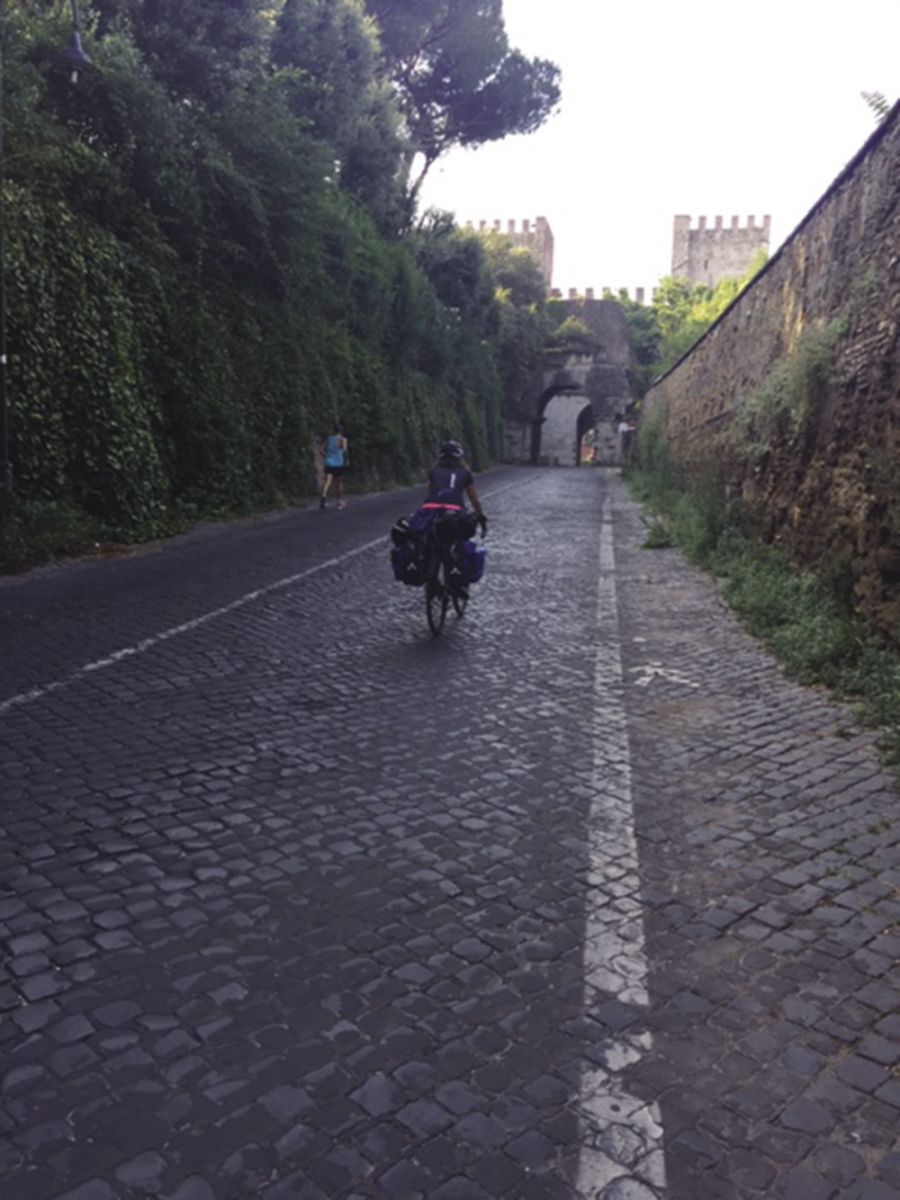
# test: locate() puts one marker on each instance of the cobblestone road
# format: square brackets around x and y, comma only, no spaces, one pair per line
[583,900]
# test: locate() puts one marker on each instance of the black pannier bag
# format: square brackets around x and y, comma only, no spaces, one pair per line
[407,554]
[455,526]
[401,532]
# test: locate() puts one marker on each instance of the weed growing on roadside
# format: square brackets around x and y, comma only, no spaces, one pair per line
[40,531]
[804,617]
[657,537]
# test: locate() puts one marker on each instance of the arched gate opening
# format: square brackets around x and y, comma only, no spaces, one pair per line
[563,418]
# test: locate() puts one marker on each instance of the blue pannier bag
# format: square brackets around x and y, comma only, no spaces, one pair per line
[472,558]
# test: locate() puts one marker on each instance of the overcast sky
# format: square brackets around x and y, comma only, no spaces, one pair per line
[703,107]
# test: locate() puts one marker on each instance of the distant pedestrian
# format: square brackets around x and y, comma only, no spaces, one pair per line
[626,431]
[336,460]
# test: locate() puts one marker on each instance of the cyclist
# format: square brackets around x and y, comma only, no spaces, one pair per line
[450,483]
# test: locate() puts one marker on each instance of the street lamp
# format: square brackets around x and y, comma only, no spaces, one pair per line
[77,60]
[5,465]
[74,57]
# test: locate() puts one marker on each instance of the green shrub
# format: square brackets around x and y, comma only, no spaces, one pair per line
[804,617]
[785,403]
[42,530]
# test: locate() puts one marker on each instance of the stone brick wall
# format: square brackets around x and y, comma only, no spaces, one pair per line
[606,321]
[827,486]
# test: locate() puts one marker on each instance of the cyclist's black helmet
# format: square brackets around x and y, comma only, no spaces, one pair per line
[451,450]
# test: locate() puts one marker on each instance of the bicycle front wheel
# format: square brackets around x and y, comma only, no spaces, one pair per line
[436,597]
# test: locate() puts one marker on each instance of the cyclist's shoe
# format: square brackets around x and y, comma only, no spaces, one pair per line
[342,503]
[462,591]
[321,502]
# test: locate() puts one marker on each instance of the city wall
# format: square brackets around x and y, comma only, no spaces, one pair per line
[791,397]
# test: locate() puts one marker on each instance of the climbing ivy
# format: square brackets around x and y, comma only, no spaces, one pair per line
[194,296]
[784,404]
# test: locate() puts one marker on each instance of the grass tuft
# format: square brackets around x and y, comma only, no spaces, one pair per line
[657,537]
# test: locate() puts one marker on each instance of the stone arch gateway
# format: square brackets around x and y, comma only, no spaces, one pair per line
[579,386]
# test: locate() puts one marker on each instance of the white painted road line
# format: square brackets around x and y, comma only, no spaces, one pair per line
[615,962]
[139,647]
[45,689]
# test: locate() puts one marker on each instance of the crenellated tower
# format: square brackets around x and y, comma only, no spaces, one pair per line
[536,237]
[708,254]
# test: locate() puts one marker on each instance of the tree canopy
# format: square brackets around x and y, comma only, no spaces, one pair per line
[458,80]
[680,313]
[209,257]
[201,49]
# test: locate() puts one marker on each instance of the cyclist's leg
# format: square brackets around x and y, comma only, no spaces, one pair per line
[455,571]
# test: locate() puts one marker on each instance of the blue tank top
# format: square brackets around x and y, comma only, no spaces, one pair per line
[334,451]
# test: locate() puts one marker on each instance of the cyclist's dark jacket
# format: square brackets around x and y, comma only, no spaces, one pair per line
[447,485]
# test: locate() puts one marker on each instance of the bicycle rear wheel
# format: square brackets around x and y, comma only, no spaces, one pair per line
[437,597]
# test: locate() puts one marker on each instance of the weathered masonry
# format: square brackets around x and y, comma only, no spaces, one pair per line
[792,398]
[708,254]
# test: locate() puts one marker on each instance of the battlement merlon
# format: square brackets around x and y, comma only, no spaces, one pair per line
[540,226]
[682,224]
[606,294]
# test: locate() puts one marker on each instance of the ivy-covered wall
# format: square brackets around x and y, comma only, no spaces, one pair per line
[198,287]
[792,398]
